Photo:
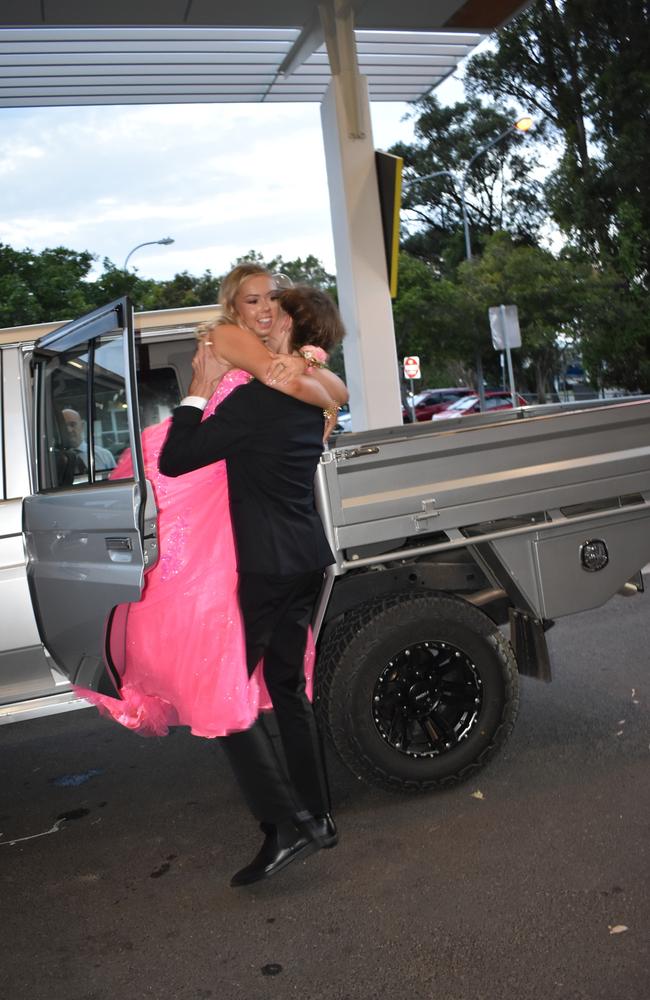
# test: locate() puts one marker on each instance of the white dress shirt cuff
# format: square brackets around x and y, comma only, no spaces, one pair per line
[197,401]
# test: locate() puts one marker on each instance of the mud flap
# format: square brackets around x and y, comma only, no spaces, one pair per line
[528,640]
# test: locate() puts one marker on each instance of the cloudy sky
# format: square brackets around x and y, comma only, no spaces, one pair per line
[220,179]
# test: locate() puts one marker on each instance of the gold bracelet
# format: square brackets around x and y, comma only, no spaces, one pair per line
[332,410]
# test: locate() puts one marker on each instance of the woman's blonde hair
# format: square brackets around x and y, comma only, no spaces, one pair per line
[229,288]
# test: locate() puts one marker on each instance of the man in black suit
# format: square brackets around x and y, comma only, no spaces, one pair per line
[272,444]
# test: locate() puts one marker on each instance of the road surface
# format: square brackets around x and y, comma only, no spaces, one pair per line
[531,882]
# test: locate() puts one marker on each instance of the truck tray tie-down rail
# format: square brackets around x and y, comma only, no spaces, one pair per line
[461,542]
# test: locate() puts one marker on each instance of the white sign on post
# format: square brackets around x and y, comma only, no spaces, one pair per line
[504,325]
[412,367]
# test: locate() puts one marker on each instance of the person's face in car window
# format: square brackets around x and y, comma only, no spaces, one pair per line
[74,427]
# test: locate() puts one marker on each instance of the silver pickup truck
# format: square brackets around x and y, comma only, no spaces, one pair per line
[457,545]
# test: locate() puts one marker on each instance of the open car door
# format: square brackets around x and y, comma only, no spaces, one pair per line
[90,523]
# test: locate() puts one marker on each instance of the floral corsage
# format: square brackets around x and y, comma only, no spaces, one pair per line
[315,357]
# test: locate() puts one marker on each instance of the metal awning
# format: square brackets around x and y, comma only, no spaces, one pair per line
[72,52]
[72,66]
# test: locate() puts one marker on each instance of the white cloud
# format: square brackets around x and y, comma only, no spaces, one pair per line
[14,156]
[220,179]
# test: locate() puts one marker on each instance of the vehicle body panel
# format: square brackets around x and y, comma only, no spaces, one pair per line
[531,486]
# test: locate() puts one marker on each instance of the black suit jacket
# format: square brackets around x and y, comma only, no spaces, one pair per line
[272,444]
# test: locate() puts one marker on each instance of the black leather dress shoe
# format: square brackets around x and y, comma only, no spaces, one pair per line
[277,851]
[323,830]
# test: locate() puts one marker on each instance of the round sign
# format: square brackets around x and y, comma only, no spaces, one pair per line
[412,367]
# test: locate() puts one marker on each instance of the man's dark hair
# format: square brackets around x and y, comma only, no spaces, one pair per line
[316,319]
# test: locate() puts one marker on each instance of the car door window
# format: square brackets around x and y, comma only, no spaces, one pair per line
[494,402]
[159,390]
[84,428]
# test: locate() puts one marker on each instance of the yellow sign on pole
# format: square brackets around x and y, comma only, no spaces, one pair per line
[389,180]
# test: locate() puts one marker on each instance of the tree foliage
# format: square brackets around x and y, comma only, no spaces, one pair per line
[497,186]
[550,294]
[580,67]
[583,66]
[35,288]
[55,284]
[309,271]
[428,316]
[566,307]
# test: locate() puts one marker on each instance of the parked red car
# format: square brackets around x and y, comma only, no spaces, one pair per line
[471,404]
[431,401]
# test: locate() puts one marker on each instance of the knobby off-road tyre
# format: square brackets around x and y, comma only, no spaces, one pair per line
[416,692]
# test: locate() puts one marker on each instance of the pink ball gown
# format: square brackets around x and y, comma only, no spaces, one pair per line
[180,649]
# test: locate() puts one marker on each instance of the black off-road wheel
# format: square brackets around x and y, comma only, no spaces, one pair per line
[416,692]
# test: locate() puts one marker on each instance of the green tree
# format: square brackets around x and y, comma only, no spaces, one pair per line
[183,290]
[114,282]
[309,271]
[35,288]
[613,332]
[428,313]
[537,283]
[499,190]
[54,284]
[583,66]
[562,302]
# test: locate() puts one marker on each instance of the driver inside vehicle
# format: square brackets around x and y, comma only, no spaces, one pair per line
[77,443]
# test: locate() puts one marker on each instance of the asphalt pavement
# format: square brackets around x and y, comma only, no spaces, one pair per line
[530,882]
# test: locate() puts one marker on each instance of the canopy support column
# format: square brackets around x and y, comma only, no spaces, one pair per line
[361,273]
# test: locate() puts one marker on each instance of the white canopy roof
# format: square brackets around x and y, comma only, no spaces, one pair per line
[73,52]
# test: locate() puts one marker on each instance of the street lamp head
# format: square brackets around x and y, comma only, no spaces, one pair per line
[165,241]
[524,124]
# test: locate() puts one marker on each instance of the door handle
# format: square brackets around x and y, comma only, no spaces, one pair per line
[364,449]
[119,544]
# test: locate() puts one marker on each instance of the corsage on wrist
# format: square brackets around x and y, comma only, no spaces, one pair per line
[315,357]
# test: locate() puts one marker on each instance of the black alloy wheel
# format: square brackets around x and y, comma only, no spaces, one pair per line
[427,699]
[416,691]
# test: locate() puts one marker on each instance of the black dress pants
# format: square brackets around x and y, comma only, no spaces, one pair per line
[277,612]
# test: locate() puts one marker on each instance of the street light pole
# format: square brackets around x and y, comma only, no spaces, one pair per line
[165,241]
[521,125]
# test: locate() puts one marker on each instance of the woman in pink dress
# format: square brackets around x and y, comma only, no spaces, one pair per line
[179,651]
